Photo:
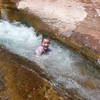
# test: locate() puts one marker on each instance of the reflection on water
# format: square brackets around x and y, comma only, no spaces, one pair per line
[65,66]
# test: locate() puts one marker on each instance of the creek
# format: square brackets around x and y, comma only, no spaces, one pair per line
[67,68]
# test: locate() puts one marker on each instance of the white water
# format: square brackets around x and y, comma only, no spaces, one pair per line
[66,66]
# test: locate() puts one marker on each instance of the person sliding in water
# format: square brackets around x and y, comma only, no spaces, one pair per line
[43,48]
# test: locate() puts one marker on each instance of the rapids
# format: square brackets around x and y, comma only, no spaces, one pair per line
[68,68]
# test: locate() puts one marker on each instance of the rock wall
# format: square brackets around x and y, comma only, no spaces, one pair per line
[73,22]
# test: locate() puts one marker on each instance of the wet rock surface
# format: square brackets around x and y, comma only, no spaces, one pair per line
[19,80]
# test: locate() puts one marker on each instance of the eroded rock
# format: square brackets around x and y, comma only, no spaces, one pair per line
[74,22]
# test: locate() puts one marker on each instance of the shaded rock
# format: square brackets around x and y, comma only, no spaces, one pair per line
[22,81]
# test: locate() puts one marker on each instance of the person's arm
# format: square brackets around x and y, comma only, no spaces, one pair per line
[39,51]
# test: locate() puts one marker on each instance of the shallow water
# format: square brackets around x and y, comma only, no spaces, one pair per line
[68,69]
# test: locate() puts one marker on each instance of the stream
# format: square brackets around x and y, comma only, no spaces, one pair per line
[67,68]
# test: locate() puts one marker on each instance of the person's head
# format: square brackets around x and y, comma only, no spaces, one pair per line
[45,43]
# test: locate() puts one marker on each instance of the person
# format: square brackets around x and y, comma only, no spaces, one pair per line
[43,48]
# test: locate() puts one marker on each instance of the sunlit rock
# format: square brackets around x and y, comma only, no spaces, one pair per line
[69,21]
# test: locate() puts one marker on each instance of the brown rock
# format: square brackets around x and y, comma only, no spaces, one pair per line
[20,81]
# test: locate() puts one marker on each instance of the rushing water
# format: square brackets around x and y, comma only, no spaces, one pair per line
[65,66]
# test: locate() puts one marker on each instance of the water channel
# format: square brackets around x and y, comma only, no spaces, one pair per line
[67,68]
